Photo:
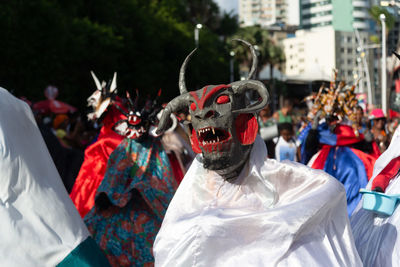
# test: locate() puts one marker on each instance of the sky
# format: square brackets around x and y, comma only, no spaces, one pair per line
[228,5]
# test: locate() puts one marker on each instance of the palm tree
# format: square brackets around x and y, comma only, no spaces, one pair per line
[268,51]
[261,41]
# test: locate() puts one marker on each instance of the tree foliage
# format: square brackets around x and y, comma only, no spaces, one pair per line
[268,51]
[375,13]
[58,42]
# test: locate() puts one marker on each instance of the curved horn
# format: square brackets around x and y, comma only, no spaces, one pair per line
[135,104]
[130,102]
[96,81]
[397,55]
[241,87]
[113,83]
[182,83]
[254,55]
[174,105]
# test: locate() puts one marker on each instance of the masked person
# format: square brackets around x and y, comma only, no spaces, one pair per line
[134,191]
[235,207]
[377,237]
[94,166]
[333,143]
[39,224]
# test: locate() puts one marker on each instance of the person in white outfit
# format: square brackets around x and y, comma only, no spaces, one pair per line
[236,207]
[286,147]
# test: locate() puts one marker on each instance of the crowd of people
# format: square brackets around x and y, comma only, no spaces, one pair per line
[211,178]
[287,133]
[283,127]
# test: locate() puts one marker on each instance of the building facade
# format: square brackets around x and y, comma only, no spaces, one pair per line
[342,15]
[268,12]
[333,35]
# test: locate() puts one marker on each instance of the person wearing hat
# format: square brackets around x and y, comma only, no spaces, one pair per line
[378,121]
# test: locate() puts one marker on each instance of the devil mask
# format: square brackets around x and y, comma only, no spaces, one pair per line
[223,119]
[138,120]
[102,97]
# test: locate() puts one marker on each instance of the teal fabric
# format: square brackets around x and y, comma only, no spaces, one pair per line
[86,254]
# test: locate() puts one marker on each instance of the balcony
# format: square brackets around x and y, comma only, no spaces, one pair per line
[361,3]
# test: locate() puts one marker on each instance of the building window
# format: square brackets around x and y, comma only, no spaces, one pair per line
[317,14]
[321,3]
[321,24]
[359,8]
[349,50]
[360,19]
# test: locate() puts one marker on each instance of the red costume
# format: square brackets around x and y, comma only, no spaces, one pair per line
[95,163]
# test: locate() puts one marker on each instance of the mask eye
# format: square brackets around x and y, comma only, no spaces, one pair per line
[223,99]
[193,106]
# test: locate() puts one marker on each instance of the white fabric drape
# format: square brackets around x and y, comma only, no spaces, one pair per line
[377,237]
[273,214]
[39,224]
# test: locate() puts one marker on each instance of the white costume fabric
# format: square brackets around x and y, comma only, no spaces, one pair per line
[273,214]
[377,238]
[39,224]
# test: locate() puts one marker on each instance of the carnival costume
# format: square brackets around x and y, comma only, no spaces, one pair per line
[335,147]
[94,165]
[235,207]
[39,224]
[130,200]
[377,237]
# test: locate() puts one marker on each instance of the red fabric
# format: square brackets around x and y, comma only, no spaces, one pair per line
[319,162]
[246,128]
[176,167]
[383,178]
[393,114]
[346,136]
[376,152]
[397,83]
[94,166]
[368,161]
[53,106]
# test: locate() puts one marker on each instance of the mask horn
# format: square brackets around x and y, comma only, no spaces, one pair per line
[178,103]
[241,87]
[397,55]
[182,83]
[254,55]
[113,83]
[135,104]
[96,81]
